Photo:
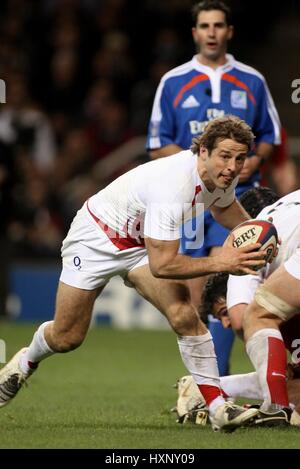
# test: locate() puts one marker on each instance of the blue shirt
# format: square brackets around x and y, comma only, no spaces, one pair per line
[192,94]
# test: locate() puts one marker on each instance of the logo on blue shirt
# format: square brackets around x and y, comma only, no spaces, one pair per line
[238,99]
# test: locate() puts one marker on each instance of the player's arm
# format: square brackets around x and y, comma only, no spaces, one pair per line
[266,128]
[230,216]
[165,262]
[236,314]
[162,128]
[167,150]
[263,152]
[253,163]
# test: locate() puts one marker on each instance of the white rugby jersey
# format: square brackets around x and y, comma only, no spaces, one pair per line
[286,217]
[153,200]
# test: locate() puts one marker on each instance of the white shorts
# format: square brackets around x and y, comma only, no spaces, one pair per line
[90,259]
[292,265]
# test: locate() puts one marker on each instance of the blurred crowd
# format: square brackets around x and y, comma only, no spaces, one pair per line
[78,98]
[80,80]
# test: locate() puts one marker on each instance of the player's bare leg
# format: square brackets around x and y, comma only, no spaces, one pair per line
[65,333]
[265,344]
[172,298]
[72,318]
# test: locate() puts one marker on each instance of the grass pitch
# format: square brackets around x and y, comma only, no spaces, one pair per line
[115,392]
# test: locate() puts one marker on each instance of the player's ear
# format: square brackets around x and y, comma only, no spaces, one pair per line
[203,153]
[230,32]
[225,320]
[194,34]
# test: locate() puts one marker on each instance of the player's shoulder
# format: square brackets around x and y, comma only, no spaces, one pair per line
[291,198]
[181,162]
[180,166]
[179,71]
[175,175]
[295,195]
[249,71]
[178,163]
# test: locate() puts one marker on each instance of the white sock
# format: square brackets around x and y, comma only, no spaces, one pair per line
[215,404]
[246,385]
[267,353]
[198,355]
[38,350]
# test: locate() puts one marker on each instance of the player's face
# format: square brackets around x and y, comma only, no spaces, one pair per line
[211,34]
[223,164]
[221,313]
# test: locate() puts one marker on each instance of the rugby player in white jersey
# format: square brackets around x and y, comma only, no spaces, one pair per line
[276,301]
[274,319]
[244,385]
[132,229]
[228,301]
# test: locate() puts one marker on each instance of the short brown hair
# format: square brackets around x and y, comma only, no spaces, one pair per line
[208,5]
[221,128]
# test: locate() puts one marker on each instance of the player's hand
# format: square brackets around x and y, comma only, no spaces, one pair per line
[241,261]
[250,166]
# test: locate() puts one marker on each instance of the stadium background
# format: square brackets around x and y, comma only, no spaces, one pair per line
[80,79]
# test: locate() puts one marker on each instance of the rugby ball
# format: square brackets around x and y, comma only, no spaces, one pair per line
[257,231]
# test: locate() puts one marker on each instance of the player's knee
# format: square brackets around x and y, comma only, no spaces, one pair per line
[184,319]
[256,315]
[65,342]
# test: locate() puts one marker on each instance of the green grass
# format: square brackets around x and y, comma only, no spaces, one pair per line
[115,392]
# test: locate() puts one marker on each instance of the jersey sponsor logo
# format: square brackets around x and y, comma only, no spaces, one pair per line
[213,113]
[197,127]
[238,99]
[235,81]
[190,102]
[77,262]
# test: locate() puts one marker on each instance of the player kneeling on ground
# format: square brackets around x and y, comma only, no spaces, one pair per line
[190,406]
[272,319]
[274,299]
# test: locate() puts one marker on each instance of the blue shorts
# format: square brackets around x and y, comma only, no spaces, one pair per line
[214,234]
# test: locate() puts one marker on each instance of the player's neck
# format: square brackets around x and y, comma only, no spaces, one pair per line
[222,60]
